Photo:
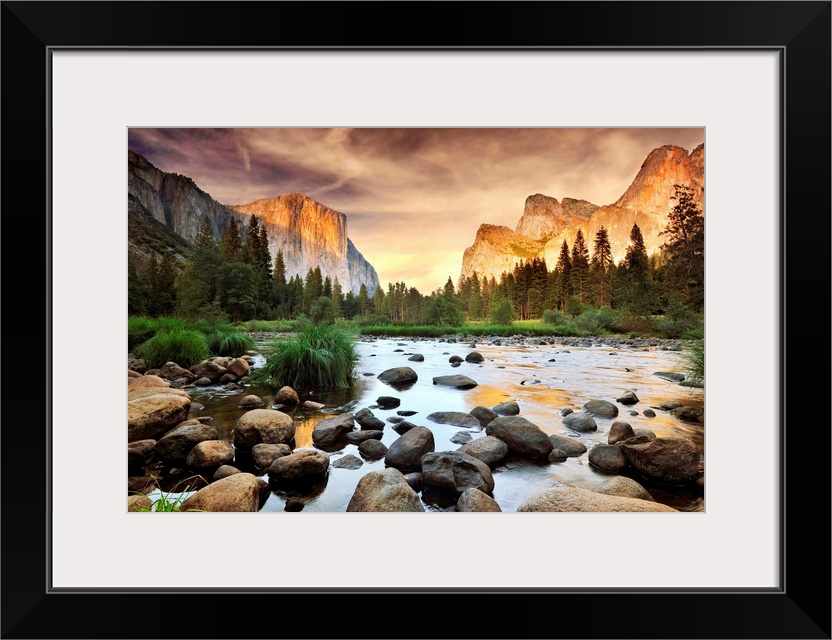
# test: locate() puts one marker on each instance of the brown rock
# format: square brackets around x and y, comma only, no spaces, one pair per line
[238,367]
[210,454]
[286,395]
[238,492]
[138,502]
[474,500]
[385,491]
[671,460]
[137,394]
[572,499]
[145,382]
[263,425]
[151,416]
[250,402]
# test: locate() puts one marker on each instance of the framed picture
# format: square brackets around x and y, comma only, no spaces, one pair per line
[754,76]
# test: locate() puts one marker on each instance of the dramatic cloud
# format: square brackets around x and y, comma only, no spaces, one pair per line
[413,198]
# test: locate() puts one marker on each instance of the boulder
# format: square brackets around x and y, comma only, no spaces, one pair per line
[521,436]
[172,371]
[570,446]
[371,422]
[225,470]
[671,460]
[228,378]
[414,479]
[386,491]
[328,432]
[210,454]
[133,374]
[152,415]
[357,437]
[474,500]
[210,370]
[142,447]
[672,376]
[560,499]
[138,502]
[407,451]
[506,409]
[461,437]
[487,449]
[456,382]
[417,357]
[619,431]
[601,408]
[174,447]
[237,492]
[238,367]
[484,415]
[624,487]
[286,395]
[456,418]
[137,394]
[250,402]
[644,433]
[608,458]
[398,375]
[310,405]
[267,426]
[687,414]
[264,454]
[135,463]
[669,406]
[387,402]
[628,397]
[649,413]
[475,357]
[557,455]
[580,422]
[348,461]
[454,359]
[304,465]
[565,412]
[204,381]
[453,472]
[403,427]
[372,449]
[147,381]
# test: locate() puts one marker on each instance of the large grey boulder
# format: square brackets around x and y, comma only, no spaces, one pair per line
[559,499]
[521,436]
[580,422]
[331,430]
[456,418]
[608,457]
[671,460]
[572,447]
[264,454]
[174,447]
[453,472]
[386,491]
[456,381]
[267,426]
[484,415]
[398,376]
[406,452]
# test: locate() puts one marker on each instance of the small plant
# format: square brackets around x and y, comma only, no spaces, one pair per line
[171,501]
[502,313]
[321,356]
[185,347]
[139,329]
[693,362]
[229,344]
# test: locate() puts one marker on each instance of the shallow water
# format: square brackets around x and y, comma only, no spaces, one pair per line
[541,378]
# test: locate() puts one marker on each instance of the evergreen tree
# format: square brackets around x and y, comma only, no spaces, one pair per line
[579,268]
[601,269]
[685,247]
[449,287]
[136,295]
[363,300]
[197,286]
[327,289]
[564,268]
[337,298]
[280,288]
[313,288]
[635,287]
[474,304]
[231,245]
[164,293]
[236,290]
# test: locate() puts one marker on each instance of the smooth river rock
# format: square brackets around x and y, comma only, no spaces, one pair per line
[406,452]
[267,426]
[601,408]
[560,499]
[210,454]
[488,449]
[624,487]
[672,460]
[174,447]
[608,458]
[384,491]
[304,465]
[398,375]
[455,418]
[580,422]
[237,492]
[453,472]
[329,431]
[572,447]
[151,416]
[264,454]
[475,501]
[521,436]
[619,431]
[484,415]
[506,409]
[456,382]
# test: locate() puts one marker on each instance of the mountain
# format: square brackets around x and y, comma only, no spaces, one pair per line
[309,233]
[546,223]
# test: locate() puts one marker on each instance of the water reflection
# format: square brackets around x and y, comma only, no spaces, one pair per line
[542,378]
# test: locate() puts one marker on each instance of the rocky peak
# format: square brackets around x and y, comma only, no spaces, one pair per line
[544,217]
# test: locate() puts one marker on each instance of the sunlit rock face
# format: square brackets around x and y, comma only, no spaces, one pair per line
[546,223]
[309,233]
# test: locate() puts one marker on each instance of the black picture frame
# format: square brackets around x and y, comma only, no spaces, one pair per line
[800,31]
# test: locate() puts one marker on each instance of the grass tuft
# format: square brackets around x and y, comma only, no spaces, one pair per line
[229,344]
[321,356]
[185,347]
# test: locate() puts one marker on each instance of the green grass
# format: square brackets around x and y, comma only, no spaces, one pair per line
[171,501]
[693,362]
[185,347]
[139,329]
[319,356]
[265,326]
[229,344]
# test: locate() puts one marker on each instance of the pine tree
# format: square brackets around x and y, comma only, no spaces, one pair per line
[449,287]
[601,269]
[197,286]
[579,268]
[280,300]
[136,294]
[363,300]
[337,298]
[564,267]
[685,247]
[635,287]
[327,288]
[474,304]
[231,244]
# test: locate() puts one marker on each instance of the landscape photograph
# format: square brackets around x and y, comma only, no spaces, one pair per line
[444,320]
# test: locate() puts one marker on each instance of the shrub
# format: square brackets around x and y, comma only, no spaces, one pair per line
[139,329]
[693,361]
[552,317]
[503,313]
[595,321]
[185,347]
[320,356]
[573,306]
[322,311]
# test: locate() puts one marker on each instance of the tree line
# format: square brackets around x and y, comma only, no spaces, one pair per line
[236,278]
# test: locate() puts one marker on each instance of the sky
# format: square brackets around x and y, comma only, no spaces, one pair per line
[414,198]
